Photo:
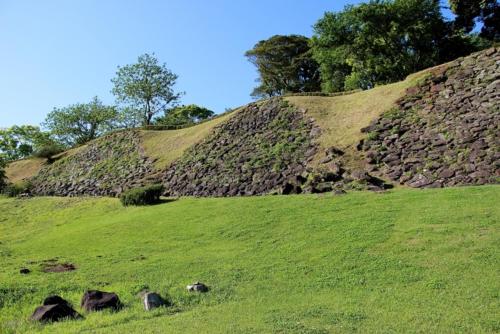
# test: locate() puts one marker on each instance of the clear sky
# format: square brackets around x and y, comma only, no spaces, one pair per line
[57,52]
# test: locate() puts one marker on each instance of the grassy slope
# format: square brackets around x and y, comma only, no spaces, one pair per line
[403,261]
[167,146]
[342,117]
[20,170]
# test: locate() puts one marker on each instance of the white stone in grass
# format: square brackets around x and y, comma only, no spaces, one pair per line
[153,300]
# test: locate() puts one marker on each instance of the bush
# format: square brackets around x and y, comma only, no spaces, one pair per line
[16,189]
[48,151]
[142,196]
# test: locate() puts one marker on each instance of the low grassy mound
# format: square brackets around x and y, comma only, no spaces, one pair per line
[403,261]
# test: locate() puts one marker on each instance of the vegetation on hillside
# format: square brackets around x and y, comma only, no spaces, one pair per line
[82,122]
[18,142]
[379,42]
[470,12]
[146,86]
[424,261]
[183,116]
[285,65]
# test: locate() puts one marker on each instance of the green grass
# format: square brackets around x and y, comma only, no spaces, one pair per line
[404,261]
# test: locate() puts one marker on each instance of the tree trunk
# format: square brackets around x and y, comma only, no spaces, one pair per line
[149,114]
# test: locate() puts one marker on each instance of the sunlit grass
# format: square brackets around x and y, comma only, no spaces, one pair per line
[405,261]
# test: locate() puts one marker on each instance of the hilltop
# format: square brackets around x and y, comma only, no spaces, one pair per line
[437,128]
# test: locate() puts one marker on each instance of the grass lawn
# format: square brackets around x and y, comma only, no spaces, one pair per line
[406,261]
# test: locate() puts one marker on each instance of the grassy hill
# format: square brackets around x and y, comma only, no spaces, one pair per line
[401,261]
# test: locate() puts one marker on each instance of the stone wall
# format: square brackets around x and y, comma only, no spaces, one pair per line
[104,167]
[255,152]
[444,132]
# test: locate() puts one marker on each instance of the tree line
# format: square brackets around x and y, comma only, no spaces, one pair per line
[373,43]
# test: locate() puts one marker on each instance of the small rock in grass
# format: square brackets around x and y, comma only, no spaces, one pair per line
[197,286]
[153,300]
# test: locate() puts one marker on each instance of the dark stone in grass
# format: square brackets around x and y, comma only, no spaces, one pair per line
[24,271]
[153,300]
[54,308]
[54,299]
[94,300]
[197,286]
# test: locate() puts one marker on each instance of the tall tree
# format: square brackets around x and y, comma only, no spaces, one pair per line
[382,41]
[285,65]
[485,11]
[146,86]
[81,122]
[19,142]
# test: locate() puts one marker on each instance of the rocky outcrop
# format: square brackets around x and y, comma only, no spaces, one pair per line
[257,151]
[104,167]
[445,131]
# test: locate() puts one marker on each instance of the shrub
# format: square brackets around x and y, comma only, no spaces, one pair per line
[142,196]
[16,189]
[48,151]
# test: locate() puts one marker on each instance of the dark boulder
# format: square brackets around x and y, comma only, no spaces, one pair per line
[54,308]
[54,299]
[94,300]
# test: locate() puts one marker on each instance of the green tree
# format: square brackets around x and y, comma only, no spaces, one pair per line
[146,86]
[468,12]
[81,122]
[382,41]
[184,115]
[285,64]
[19,142]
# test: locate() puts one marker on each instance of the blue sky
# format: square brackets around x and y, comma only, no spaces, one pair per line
[58,52]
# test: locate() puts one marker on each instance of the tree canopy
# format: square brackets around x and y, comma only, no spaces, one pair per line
[184,115]
[485,11]
[382,41]
[19,142]
[146,86]
[285,64]
[79,123]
